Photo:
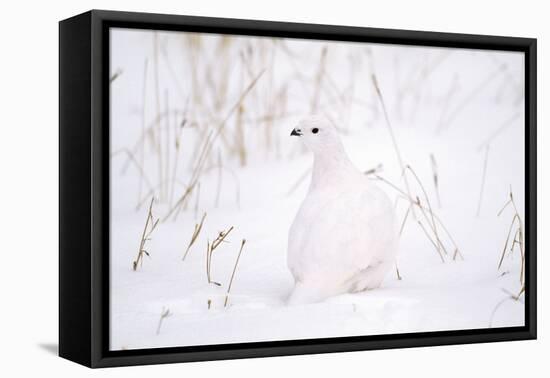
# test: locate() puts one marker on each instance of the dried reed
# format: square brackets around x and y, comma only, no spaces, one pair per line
[435,178]
[397,272]
[468,98]
[115,75]
[233,273]
[194,236]
[150,225]
[483,178]
[434,222]
[207,146]
[518,238]
[392,135]
[210,248]
[163,315]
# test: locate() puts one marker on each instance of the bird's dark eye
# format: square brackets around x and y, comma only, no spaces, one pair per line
[315,130]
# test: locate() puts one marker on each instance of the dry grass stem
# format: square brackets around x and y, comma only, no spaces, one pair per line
[197,199]
[177,145]
[453,88]
[233,273]
[431,219]
[139,167]
[510,296]
[219,183]
[468,98]
[397,272]
[157,101]
[516,240]
[435,178]
[221,238]
[314,107]
[235,180]
[212,136]
[143,120]
[522,290]
[423,72]
[163,315]
[392,135]
[196,232]
[493,313]
[404,220]
[483,178]
[433,224]
[210,248]
[499,131]
[374,170]
[192,182]
[150,225]
[115,75]
[167,144]
[431,240]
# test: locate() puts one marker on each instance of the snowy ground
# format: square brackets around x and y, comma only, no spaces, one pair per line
[449,103]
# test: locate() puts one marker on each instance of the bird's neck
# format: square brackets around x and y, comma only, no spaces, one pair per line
[329,169]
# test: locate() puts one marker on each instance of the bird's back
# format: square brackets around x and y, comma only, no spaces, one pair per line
[340,230]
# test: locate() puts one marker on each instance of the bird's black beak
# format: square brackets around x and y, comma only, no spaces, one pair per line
[296,132]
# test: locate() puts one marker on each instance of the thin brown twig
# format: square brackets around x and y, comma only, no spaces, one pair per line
[431,240]
[177,145]
[434,231]
[483,177]
[373,170]
[505,125]
[211,247]
[510,296]
[150,225]
[192,182]
[430,210]
[235,179]
[194,236]
[115,75]
[398,274]
[405,219]
[392,136]
[142,144]
[219,183]
[133,159]
[517,238]
[419,205]
[468,98]
[435,178]
[197,199]
[233,273]
[318,81]
[157,98]
[167,144]
[163,315]
[208,146]
[221,238]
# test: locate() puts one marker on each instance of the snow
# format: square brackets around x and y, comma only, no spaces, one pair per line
[442,102]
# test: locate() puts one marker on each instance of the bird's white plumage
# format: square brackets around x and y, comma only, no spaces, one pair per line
[344,236]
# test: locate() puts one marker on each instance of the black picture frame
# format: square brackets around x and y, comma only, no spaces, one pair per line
[84,183]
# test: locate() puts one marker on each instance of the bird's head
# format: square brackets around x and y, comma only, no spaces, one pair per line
[318,134]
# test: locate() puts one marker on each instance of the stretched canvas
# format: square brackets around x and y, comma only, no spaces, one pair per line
[206,181]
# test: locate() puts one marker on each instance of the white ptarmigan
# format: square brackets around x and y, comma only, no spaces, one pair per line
[344,237]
